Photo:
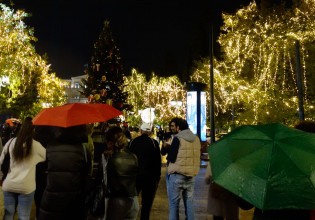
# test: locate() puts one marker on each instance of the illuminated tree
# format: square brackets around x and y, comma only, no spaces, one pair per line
[156,93]
[159,93]
[105,77]
[259,63]
[24,70]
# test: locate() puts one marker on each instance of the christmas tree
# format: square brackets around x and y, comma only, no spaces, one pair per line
[105,78]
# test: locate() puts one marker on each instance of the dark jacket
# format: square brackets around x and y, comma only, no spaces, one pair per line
[64,194]
[281,214]
[122,174]
[284,214]
[148,153]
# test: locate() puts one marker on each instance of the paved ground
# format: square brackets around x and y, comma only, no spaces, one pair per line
[160,209]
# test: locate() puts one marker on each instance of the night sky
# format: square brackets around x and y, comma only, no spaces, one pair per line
[152,36]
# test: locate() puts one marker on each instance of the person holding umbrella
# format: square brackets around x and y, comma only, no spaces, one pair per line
[269,166]
[287,214]
[68,159]
[307,126]
[19,185]
[67,174]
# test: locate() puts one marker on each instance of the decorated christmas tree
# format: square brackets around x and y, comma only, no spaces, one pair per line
[105,77]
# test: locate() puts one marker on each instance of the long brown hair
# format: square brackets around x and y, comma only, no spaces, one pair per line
[24,140]
[117,137]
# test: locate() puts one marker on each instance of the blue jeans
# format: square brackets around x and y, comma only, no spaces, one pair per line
[179,185]
[23,201]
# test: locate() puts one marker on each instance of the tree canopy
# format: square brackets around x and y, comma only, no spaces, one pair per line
[26,81]
[257,76]
[157,92]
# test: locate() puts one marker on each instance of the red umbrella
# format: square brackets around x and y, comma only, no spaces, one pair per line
[75,114]
[11,120]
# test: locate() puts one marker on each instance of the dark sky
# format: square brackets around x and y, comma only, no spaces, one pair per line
[151,35]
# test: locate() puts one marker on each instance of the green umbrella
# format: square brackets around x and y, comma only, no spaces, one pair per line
[270,166]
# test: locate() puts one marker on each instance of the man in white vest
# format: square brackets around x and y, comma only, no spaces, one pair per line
[183,165]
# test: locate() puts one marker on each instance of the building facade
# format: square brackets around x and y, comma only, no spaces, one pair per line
[73,89]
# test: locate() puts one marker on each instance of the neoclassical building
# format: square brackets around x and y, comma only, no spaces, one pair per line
[73,90]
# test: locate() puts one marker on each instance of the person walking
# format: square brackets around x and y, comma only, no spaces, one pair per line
[122,169]
[1,145]
[67,174]
[183,165]
[5,133]
[287,214]
[98,137]
[160,135]
[148,153]
[43,134]
[222,204]
[90,145]
[19,185]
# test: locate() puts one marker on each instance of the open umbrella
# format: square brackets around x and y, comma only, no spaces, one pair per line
[270,166]
[10,121]
[75,114]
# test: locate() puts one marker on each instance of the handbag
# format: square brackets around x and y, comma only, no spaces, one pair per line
[5,166]
[98,204]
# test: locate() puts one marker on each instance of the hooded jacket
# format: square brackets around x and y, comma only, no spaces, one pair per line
[188,157]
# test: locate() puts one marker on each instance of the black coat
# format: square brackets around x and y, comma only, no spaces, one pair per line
[148,153]
[122,174]
[281,214]
[65,192]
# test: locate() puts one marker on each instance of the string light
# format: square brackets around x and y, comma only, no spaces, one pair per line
[156,93]
[21,64]
[258,72]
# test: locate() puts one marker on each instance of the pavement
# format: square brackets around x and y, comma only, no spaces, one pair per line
[160,208]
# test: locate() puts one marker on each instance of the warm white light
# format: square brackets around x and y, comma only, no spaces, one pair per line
[175,103]
[4,80]
[148,115]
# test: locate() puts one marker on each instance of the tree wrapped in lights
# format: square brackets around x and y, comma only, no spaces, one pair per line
[156,93]
[24,69]
[259,61]
[159,93]
[228,90]
[105,77]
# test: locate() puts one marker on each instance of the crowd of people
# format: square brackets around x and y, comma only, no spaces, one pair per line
[58,168]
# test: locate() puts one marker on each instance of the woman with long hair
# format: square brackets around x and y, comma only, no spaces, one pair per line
[121,177]
[19,185]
